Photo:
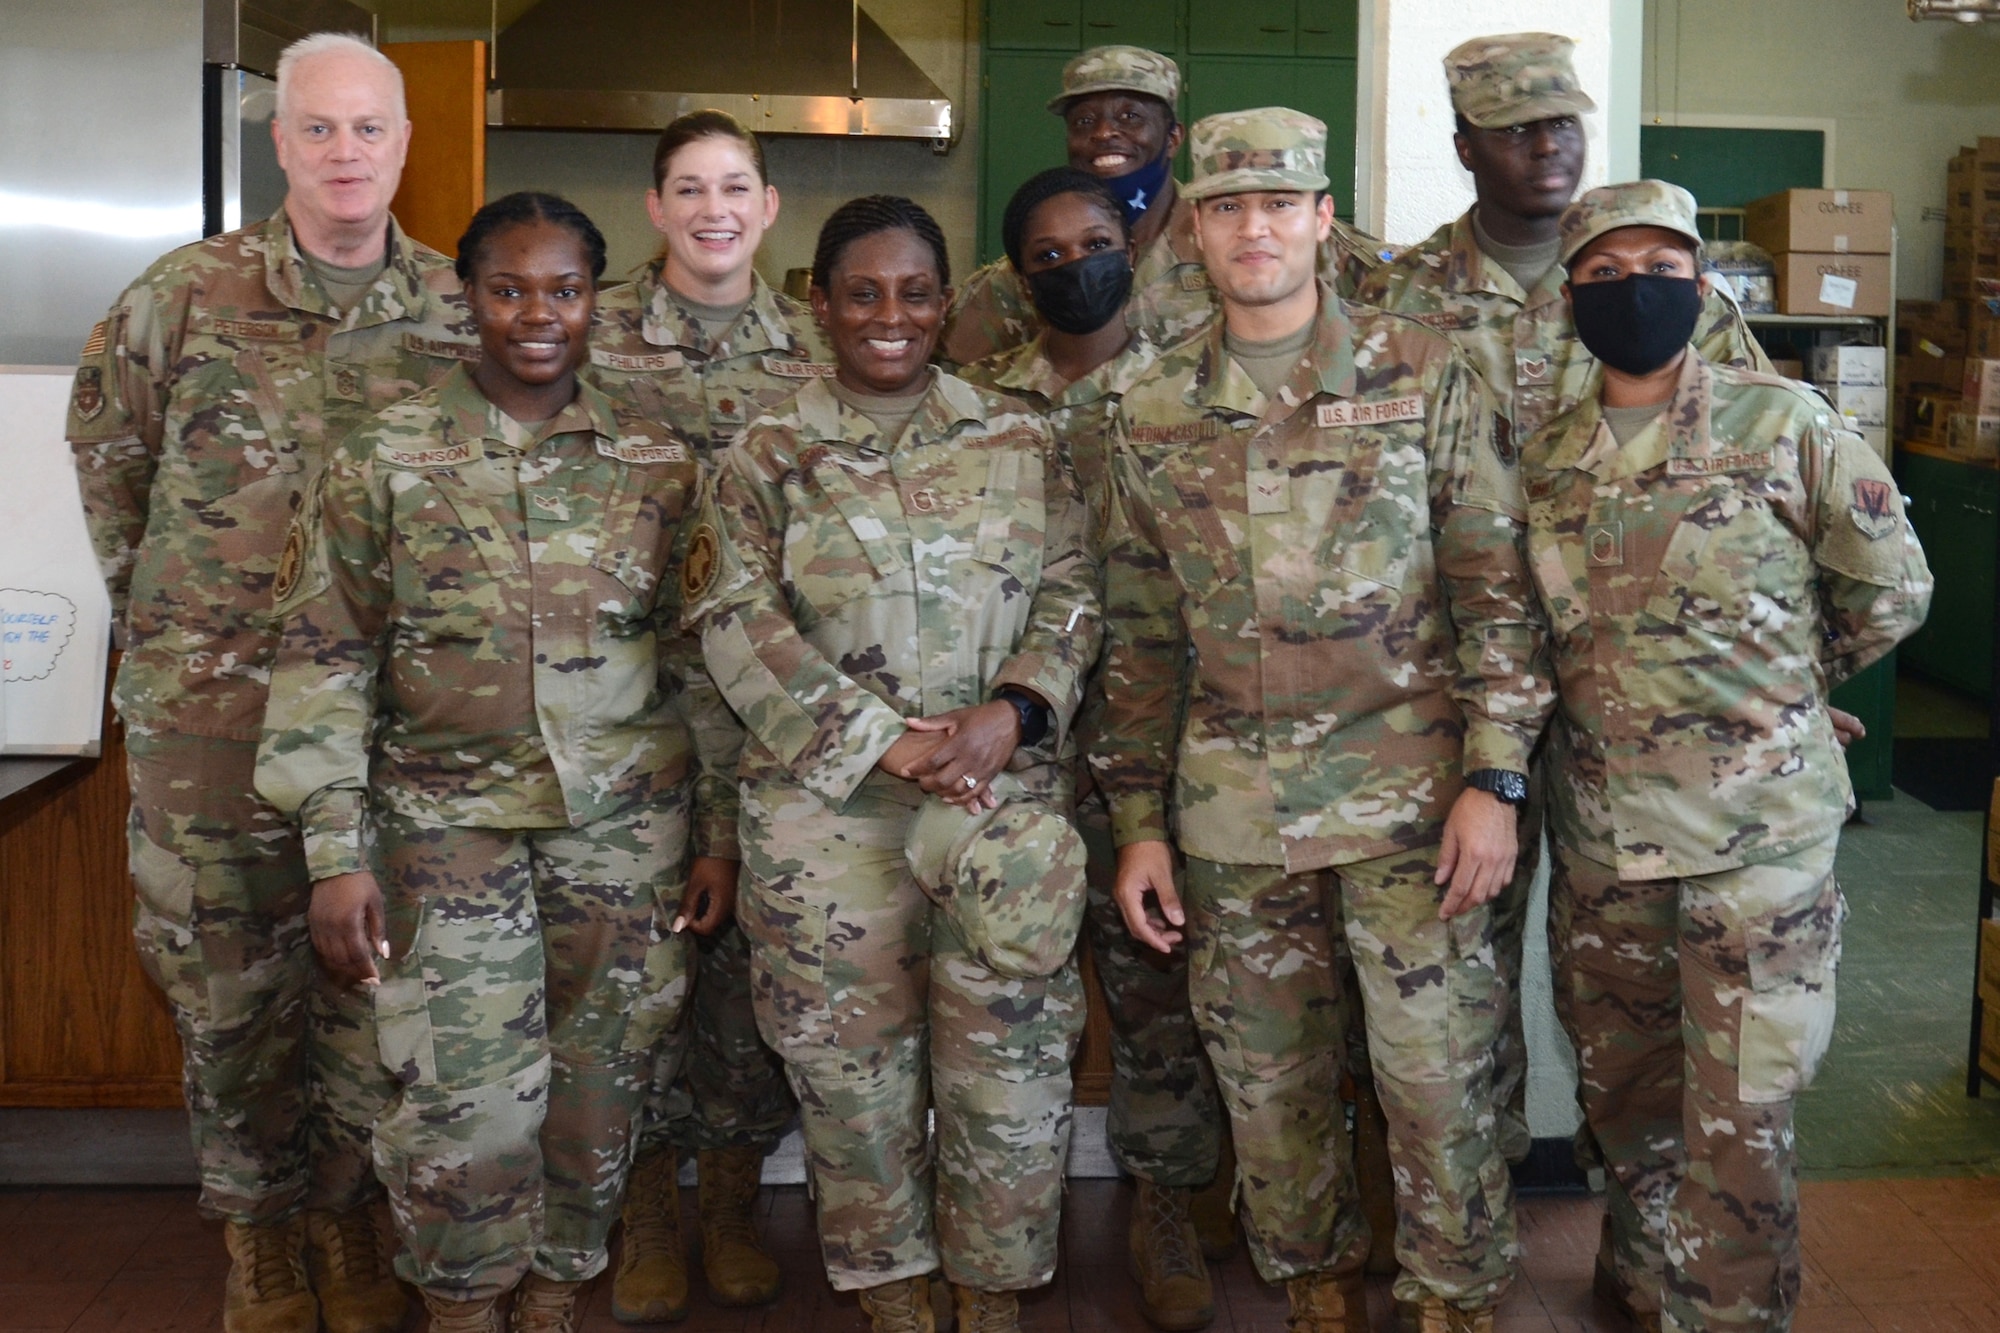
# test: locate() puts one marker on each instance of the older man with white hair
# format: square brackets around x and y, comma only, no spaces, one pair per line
[202,411]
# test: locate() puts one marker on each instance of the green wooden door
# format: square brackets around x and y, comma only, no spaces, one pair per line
[1043,24]
[1323,88]
[1153,24]
[1243,27]
[1329,27]
[1022,136]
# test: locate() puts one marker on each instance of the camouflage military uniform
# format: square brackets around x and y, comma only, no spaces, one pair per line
[1340,597]
[483,671]
[1165,1122]
[204,404]
[1706,583]
[1524,345]
[647,348]
[859,583]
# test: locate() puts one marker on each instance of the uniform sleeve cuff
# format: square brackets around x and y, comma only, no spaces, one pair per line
[331,822]
[1489,745]
[1138,818]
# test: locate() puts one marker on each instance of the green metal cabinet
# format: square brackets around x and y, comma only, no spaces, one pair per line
[1871,696]
[1953,507]
[1232,54]
[1154,24]
[1035,24]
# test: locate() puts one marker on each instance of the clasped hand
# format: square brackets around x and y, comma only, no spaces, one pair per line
[941,753]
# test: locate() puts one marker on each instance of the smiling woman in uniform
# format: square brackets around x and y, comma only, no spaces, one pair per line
[478,720]
[902,609]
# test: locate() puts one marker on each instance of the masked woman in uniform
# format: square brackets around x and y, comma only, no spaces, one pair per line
[1714,553]
[896,594]
[477,716]
[702,343]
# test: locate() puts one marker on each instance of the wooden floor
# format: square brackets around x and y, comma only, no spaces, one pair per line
[1885,1256]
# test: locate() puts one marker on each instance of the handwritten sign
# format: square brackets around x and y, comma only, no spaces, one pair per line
[55,620]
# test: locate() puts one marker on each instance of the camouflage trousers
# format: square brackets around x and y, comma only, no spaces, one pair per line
[531,979]
[1700,1008]
[278,1065]
[881,1014]
[715,1083]
[1165,1119]
[1265,983]
[1510,929]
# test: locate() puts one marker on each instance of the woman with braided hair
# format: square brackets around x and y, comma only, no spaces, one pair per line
[895,591]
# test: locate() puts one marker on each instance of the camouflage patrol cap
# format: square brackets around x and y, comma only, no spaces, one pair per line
[1514,78]
[1131,69]
[1633,204]
[1011,878]
[1268,148]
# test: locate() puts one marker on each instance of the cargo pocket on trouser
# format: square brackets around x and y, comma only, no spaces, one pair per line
[1787,1013]
[666,978]
[788,976]
[162,911]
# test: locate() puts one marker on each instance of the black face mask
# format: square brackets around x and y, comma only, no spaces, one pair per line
[1085,294]
[1636,324]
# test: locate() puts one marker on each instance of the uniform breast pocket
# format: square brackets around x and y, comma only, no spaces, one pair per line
[443,568]
[642,514]
[1013,517]
[1561,588]
[838,544]
[1731,569]
[233,431]
[1376,506]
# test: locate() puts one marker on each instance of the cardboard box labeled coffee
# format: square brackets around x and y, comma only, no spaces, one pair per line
[1859,404]
[1830,284]
[1842,222]
[1850,365]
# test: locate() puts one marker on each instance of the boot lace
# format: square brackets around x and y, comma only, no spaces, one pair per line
[272,1267]
[545,1307]
[898,1307]
[990,1312]
[1165,1222]
[652,1209]
[354,1249]
[737,1177]
[448,1316]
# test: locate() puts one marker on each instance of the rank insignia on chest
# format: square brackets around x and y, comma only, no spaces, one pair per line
[1370,412]
[704,559]
[1874,508]
[1604,545]
[924,500]
[87,398]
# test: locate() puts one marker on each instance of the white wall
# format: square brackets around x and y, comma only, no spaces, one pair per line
[1903,96]
[1410,180]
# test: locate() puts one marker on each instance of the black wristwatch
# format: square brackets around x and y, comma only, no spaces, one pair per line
[1034,714]
[1503,784]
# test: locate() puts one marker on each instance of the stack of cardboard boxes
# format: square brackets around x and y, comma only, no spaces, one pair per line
[1948,351]
[1831,249]
[1855,381]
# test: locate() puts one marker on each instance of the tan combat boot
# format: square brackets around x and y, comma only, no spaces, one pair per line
[544,1305]
[452,1314]
[357,1289]
[651,1284]
[738,1270]
[1213,1207]
[1164,1257]
[1433,1315]
[266,1291]
[1327,1302]
[902,1306]
[986,1311]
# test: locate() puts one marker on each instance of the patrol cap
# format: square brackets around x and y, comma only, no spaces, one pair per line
[1010,878]
[1515,78]
[1633,204]
[1130,69]
[1268,148]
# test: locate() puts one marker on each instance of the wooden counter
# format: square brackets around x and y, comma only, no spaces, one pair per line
[80,1023]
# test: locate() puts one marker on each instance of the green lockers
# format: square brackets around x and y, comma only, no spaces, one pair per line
[1871,696]
[1953,507]
[1232,53]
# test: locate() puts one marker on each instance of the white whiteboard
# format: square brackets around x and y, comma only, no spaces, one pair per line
[55,619]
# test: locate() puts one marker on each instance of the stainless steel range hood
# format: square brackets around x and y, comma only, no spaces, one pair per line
[780,66]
